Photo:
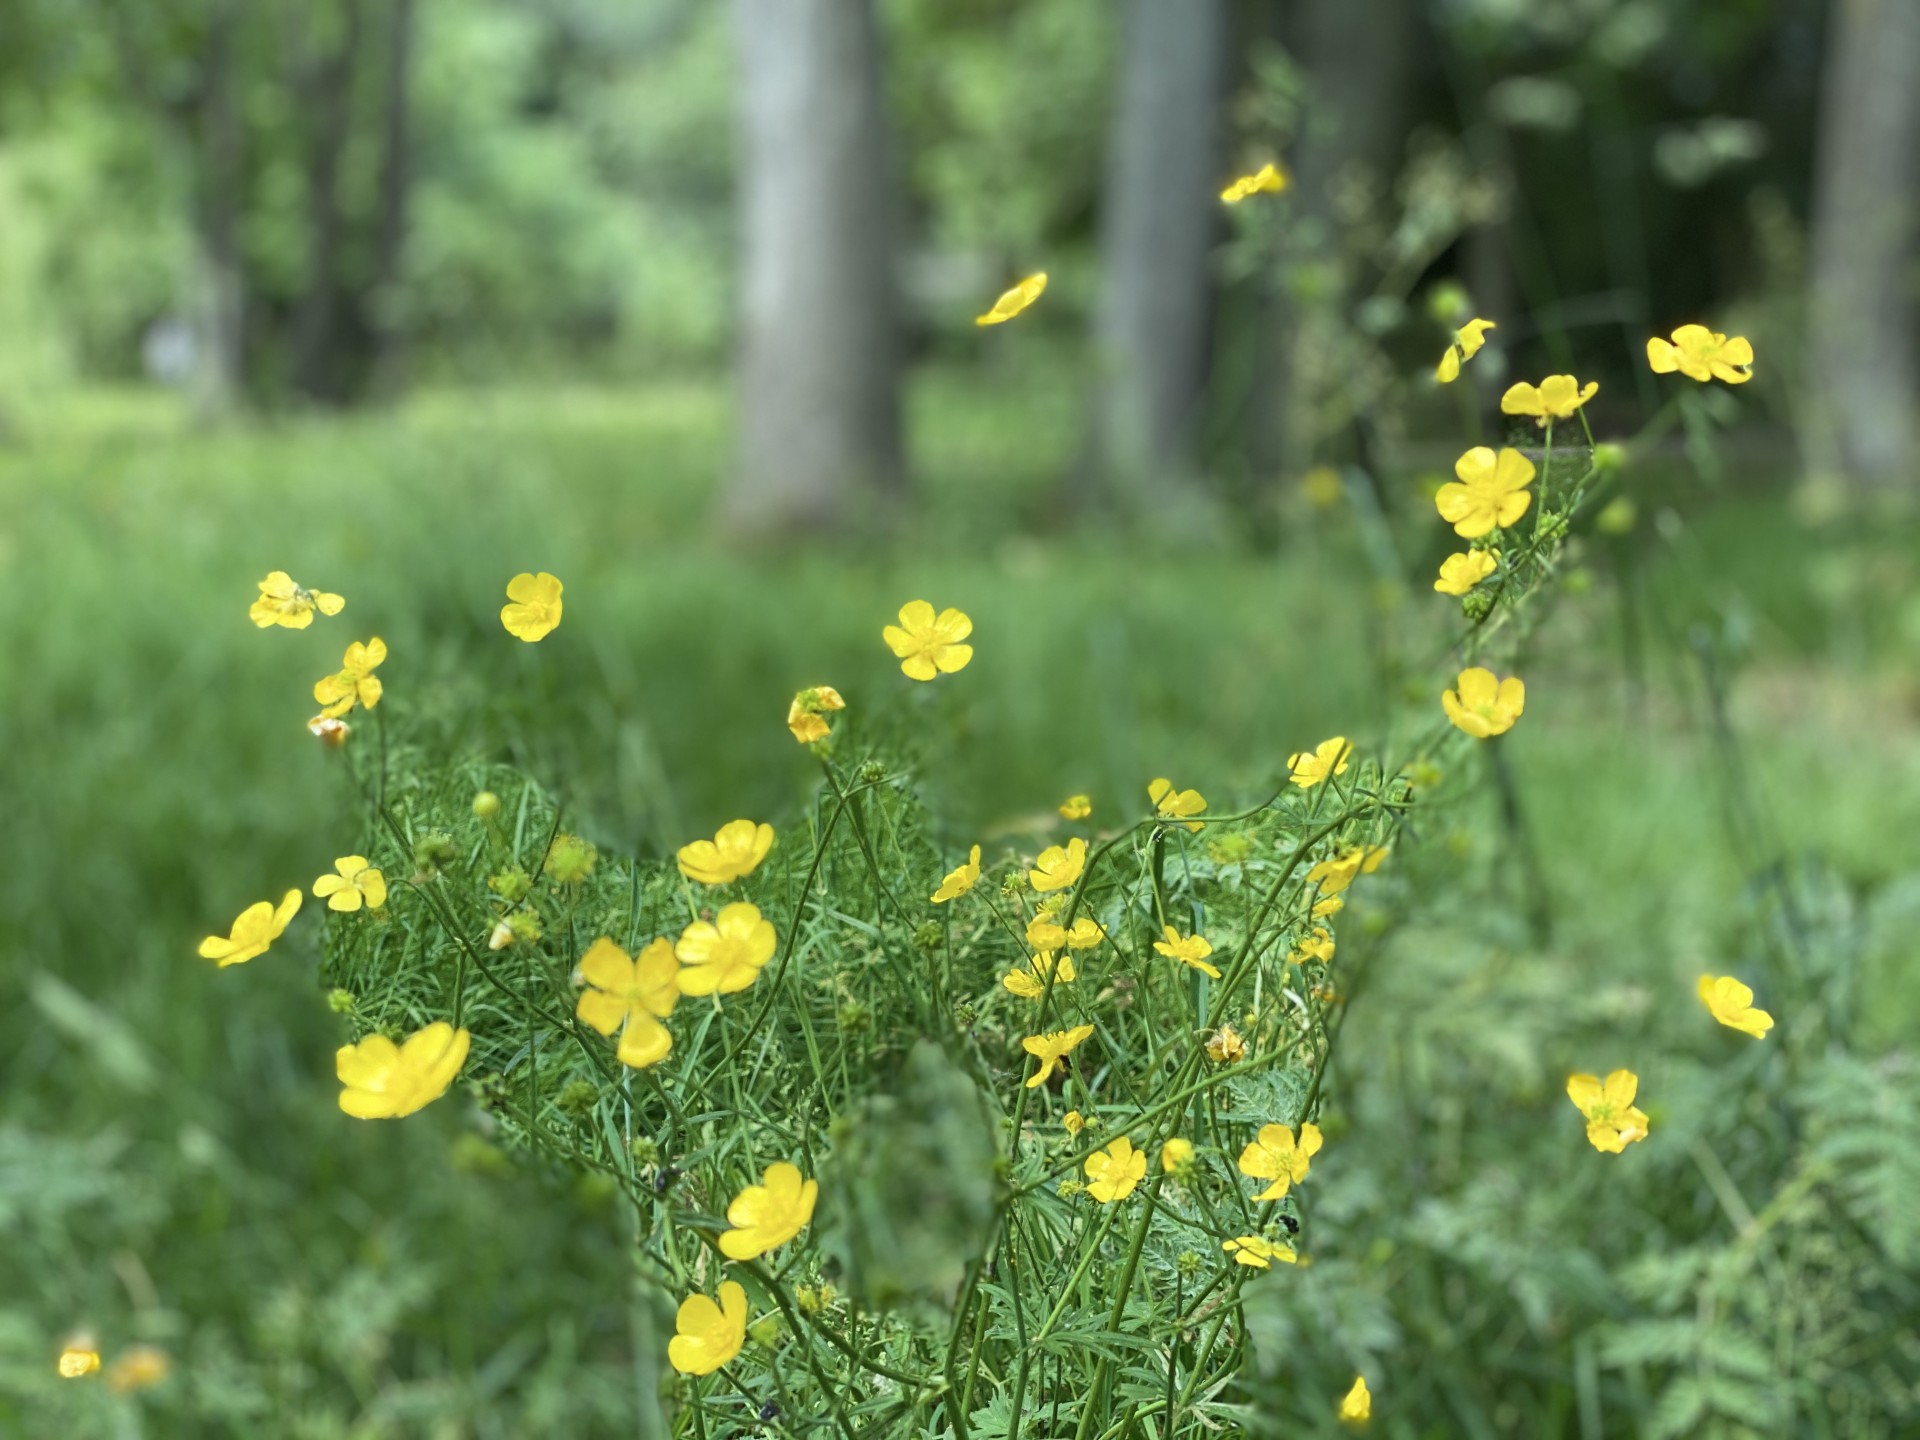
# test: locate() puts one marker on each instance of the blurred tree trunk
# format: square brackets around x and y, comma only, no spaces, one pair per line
[320,368]
[388,321]
[1862,327]
[219,284]
[818,395]
[1152,326]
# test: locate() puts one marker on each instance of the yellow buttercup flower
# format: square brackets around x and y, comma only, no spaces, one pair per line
[1273,1155]
[1329,757]
[1267,180]
[1031,984]
[766,1216]
[1113,1172]
[1012,302]
[1176,1154]
[256,927]
[1491,491]
[138,1367]
[1482,705]
[1356,1407]
[1460,572]
[357,883]
[385,1081]
[1732,1005]
[1073,1122]
[287,604]
[1084,934]
[1467,341]
[1613,1122]
[1225,1046]
[355,684]
[78,1357]
[1058,866]
[736,849]
[1555,398]
[1257,1252]
[724,955]
[1076,807]
[631,995]
[928,644]
[1052,1048]
[1044,932]
[706,1335]
[1188,950]
[807,715]
[1318,946]
[1702,354]
[535,608]
[1172,804]
[959,881]
[1336,874]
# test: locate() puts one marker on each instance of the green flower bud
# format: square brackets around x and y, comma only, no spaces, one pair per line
[577,1097]
[1190,1263]
[871,772]
[570,860]
[433,850]
[486,805]
[765,1332]
[1476,605]
[853,1017]
[645,1151]
[1608,457]
[340,1001]
[512,884]
[928,936]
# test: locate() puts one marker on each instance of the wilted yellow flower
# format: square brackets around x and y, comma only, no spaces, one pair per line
[284,603]
[1012,302]
[1491,491]
[1613,1122]
[385,1081]
[1356,1407]
[707,1335]
[356,884]
[961,880]
[1113,1172]
[1467,341]
[1076,807]
[1732,1005]
[78,1357]
[1702,354]
[328,731]
[631,995]
[138,1367]
[1337,873]
[1225,1046]
[355,683]
[1555,398]
[1318,946]
[1059,866]
[1274,1156]
[1257,1252]
[535,608]
[1460,572]
[806,716]
[766,1216]
[1176,1154]
[1329,757]
[1267,180]
[256,927]
[736,849]
[1052,1048]
[1073,1122]
[1483,705]
[1031,984]
[1172,804]
[928,644]
[724,955]
[1188,950]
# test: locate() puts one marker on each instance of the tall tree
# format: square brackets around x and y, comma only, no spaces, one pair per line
[818,394]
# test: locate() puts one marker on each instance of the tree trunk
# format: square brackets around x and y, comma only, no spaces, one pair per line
[219,282]
[389,320]
[818,395]
[1862,326]
[319,369]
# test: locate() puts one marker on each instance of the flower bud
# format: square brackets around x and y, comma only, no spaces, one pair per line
[1476,605]
[340,1001]
[577,1097]
[486,805]
[571,860]
[765,1332]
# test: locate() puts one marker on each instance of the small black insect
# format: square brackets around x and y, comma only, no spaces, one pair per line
[769,1411]
[664,1177]
[1293,1225]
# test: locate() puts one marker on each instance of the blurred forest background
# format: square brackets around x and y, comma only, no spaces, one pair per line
[675,298]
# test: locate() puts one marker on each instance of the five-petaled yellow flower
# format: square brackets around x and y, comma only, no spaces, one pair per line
[631,994]
[1555,398]
[1113,1172]
[356,884]
[1336,874]
[1176,1154]
[1012,302]
[1257,1252]
[1613,1122]
[1172,804]
[385,1081]
[1329,757]
[1732,1005]
[807,715]
[1076,807]
[724,955]
[1702,354]
[1484,706]
[1317,946]
[1467,341]
[1059,866]
[535,608]
[707,1335]
[959,881]
[1267,180]
[1460,572]
[928,644]
[1032,984]
[285,603]
[1491,491]
[1356,1407]
[736,848]
[1188,950]
[766,1216]
[1052,1048]
[1274,1156]
[256,927]
[1225,1046]
[355,683]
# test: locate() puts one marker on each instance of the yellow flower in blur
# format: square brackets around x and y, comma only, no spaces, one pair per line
[1491,491]
[1031,984]
[1337,873]
[1225,1046]
[1172,804]
[1012,302]
[138,1367]
[1085,933]
[766,1216]
[706,1335]
[78,1357]
[724,955]
[1257,1252]
[1732,1005]
[961,880]
[1274,1156]
[1329,757]
[736,849]
[631,995]
[356,884]
[1357,1406]
[535,610]
[385,1081]
[355,683]
[1702,354]
[284,603]
[1482,705]
[1188,950]
[1555,398]
[1318,946]
[1058,866]
[928,644]
[1467,341]
[256,927]
[807,715]
[1074,1122]
[1459,573]
[1076,807]
[1267,180]
[1113,1172]
[1052,1048]
[1322,487]
[1613,1122]
[1176,1154]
